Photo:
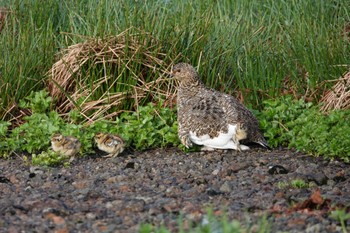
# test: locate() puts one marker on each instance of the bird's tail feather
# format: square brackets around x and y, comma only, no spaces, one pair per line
[264,144]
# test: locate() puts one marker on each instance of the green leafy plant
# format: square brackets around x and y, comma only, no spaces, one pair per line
[300,125]
[4,128]
[325,135]
[342,216]
[277,117]
[293,184]
[152,126]
[299,183]
[34,135]
[212,223]
[4,145]
[49,158]
[38,102]
[149,127]
[285,121]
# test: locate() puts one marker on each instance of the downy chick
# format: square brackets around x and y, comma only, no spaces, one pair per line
[65,145]
[112,144]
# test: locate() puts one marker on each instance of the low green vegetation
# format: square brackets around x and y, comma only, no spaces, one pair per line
[213,223]
[152,126]
[252,49]
[294,184]
[299,183]
[285,121]
[300,125]
[49,158]
[342,216]
[256,51]
[260,49]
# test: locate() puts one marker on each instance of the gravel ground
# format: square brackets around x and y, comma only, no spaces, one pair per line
[96,194]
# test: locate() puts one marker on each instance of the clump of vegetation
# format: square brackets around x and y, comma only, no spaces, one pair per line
[280,46]
[285,121]
[294,184]
[49,158]
[102,77]
[342,216]
[99,59]
[213,223]
[301,125]
[339,96]
[151,126]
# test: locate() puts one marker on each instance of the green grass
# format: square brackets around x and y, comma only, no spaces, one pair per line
[251,46]
[210,224]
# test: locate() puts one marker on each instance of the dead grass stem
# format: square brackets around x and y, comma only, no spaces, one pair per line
[138,55]
[339,95]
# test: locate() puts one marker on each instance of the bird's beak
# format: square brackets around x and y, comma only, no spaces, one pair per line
[171,73]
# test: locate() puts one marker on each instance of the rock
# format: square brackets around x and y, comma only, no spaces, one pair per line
[277,169]
[81,184]
[215,172]
[340,176]
[318,177]
[225,187]
[214,192]
[4,179]
[130,165]
[314,228]
[91,216]
[96,194]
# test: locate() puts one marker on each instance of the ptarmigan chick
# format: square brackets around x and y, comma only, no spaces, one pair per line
[65,145]
[211,118]
[112,144]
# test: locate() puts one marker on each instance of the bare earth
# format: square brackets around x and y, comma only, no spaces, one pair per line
[96,194]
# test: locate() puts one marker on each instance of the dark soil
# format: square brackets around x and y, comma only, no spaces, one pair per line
[96,194]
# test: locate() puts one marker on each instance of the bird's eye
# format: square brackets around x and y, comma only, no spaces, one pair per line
[176,71]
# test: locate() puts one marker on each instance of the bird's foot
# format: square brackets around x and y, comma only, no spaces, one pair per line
[71,159]
[186,142]
[243,147]
[206,148]
[108,156]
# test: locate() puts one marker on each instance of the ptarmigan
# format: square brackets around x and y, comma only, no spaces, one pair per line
[112,144]
[65,145]
[211,118]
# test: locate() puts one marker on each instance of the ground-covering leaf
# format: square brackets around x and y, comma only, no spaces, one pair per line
[301,125]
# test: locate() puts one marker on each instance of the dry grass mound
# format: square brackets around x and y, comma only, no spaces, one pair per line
[339,96]
[100,76]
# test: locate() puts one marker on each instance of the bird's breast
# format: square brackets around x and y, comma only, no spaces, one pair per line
[220,140]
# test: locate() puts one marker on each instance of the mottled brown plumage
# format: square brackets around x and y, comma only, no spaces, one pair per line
[65,145]
[112,144]
[211,118]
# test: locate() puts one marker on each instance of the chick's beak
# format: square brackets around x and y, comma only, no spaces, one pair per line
[171,73]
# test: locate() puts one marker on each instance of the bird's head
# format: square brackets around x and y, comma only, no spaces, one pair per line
[99,136]
[57,138]
[186,75]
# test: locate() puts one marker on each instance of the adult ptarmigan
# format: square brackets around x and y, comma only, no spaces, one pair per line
[211,118]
